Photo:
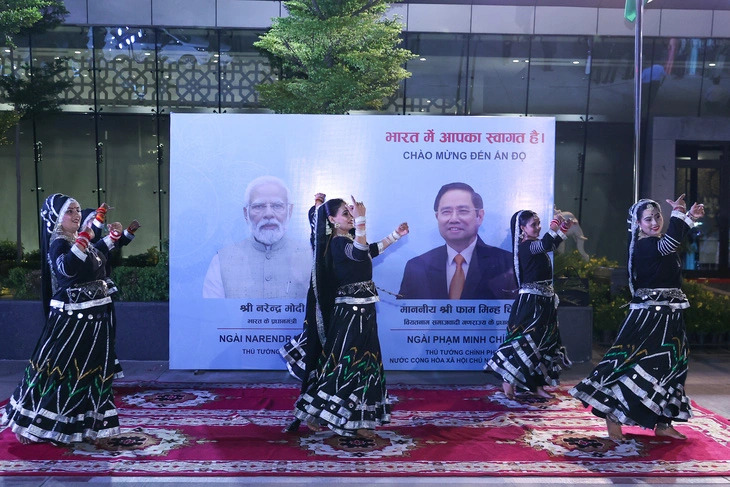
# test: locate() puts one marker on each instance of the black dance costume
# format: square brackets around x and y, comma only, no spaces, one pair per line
[348,391]
[640,380]
[66,392]
[532,354]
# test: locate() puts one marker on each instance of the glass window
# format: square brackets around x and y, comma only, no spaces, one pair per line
[608,187]
[242,68]
[68,138]
[73,44]
[125,67]
[17,156]
[702,175]
[189,66]
[605,185]
[703,252]
[69,157]
[128,174]
[29,207]
[673,80]
[612,79]
[559,69]
[498,73]
[568,147]
[716,85]
[164,194]
[438,84]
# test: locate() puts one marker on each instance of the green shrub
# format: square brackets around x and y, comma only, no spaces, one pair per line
[8,250]
[147,280]
[141,283]
[598,289]
[31,260]
[609,315]
[23,283]
[573,260]
[147,259]
[709,312]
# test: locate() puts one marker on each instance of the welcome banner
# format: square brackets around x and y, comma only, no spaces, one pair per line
[241,186]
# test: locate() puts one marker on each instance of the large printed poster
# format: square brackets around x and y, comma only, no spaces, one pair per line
[240,256]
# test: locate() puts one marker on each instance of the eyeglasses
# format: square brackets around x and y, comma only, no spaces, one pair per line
[259,208]
[460,212]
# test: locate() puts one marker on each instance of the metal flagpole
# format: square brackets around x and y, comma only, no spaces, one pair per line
[638,54]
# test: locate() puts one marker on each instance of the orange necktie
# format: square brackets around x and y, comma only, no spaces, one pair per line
[457,282]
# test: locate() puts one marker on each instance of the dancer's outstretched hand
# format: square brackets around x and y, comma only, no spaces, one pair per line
[358,208]
[678,204]
[697,211]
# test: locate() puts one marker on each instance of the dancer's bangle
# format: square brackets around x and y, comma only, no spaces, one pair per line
[101,214]
[359,233]
[83,240]
[360,220]
[395,235]
[115,235]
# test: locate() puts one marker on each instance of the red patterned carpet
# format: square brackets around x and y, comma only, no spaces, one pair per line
[236,430]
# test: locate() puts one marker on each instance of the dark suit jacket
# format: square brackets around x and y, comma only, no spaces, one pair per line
[490,275]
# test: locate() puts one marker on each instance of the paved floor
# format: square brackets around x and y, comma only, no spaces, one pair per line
[708,384]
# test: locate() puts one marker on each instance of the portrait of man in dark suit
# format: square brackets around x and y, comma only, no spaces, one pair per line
[465,267]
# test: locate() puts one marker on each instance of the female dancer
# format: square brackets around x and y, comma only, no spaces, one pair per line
[348,394]
[640,380]
[66,393]
[532,355]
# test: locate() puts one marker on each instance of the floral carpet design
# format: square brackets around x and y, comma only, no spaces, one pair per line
[237,430]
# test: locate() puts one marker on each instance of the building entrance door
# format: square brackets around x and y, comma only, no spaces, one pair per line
[703,174]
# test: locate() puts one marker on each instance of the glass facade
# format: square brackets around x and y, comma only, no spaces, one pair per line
[110,142]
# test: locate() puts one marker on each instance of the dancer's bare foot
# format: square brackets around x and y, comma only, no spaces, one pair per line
[23,440]
[366,433]
[543,393]
[509,390]
[614,430]
[313,426]
[668,430]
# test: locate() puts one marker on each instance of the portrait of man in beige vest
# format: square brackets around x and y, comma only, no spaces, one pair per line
[267,264]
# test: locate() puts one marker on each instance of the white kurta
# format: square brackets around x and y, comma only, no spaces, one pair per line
[249,269]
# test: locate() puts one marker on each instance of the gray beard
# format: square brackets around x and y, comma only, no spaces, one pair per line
[268,237]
